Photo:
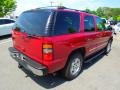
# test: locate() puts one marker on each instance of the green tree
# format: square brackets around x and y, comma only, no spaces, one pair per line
[94,12]
[106,12]
[118,18]
[88,10]
[7,6]
[100,12]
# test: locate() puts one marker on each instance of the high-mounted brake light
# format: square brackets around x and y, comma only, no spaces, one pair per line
[47,52]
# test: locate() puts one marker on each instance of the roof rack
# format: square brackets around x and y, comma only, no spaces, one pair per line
[52,7]
[61,7]
[75,10]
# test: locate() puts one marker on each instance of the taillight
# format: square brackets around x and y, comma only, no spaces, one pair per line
[47,52]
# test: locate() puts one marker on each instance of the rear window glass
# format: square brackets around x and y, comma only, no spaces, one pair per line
[66,22]
[33,22]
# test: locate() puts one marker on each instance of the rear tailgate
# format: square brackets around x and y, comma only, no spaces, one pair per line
[28,31]
[30,46]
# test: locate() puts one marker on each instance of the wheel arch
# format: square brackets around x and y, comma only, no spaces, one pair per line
[80,50]
[111,38]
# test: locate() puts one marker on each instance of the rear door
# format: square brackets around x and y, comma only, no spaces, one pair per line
[90,34]
[29,29]
[30,46]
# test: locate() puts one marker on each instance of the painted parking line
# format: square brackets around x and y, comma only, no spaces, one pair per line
[4,42]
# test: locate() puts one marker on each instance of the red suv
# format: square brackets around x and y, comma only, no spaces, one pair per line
[46,40]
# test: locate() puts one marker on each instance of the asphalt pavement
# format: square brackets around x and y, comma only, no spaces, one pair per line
[103,73]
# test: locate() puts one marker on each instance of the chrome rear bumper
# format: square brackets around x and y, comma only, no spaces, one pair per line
[28,63]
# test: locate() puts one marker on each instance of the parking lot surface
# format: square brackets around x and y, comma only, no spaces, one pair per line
[103,73]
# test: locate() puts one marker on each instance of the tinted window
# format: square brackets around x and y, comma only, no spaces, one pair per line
[33,22]
[6,21]
[67,22]
[1,22]
[89,24]
[100,24]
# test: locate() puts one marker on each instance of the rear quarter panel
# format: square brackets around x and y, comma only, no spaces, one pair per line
[63,45]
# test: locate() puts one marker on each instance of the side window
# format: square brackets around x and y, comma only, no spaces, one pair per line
[66,22]
[100,24]
[89,24]
[1,22]
[11,21]
[7,21]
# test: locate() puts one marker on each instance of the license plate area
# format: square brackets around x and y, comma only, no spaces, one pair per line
[15,55]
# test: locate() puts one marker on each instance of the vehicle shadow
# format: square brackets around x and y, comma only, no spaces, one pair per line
[48,82]
[5,37]
[51,81]
[93,61]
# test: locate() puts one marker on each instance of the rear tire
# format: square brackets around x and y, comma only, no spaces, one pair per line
[73,66]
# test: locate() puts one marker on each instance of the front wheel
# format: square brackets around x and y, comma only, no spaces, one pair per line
[108,47]
[73,67]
